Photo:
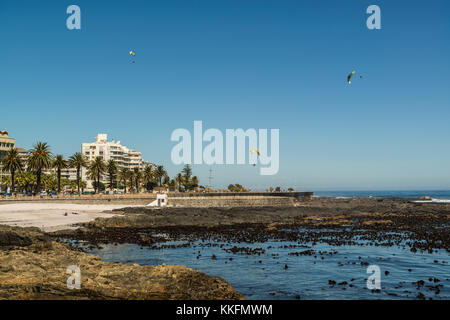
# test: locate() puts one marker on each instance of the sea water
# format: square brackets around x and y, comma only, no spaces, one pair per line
[410,194]
[275,274]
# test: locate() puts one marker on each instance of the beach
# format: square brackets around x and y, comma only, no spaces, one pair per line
[52,216]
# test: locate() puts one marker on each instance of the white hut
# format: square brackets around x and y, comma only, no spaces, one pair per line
[161,201]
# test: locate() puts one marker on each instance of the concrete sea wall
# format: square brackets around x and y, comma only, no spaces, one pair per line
[231,202]
[228,199]
[247,199]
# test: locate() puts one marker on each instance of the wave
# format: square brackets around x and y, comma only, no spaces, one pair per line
[433,201]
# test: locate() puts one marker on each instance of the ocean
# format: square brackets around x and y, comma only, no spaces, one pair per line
[434,194]
[265,276]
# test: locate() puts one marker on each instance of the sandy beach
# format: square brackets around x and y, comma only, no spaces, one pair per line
[51,216]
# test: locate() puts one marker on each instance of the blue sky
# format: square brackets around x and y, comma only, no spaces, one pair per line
[239,64]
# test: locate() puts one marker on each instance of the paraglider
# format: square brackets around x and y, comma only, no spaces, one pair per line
[132,53]
[252,151]
[350,76]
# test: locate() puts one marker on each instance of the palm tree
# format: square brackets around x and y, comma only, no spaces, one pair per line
[5,181]
[160,173]
[111,168]
[59,163]
[96,169]
[179,179]
[12,164]
[137,174]
[166,180]
[131,177]
[78,161]
[39,160]
[83,185]
[148,175]
[26,180]
[123,176]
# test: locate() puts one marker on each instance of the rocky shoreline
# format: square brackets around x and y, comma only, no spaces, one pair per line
[34,266]
[33,263]
[334,221]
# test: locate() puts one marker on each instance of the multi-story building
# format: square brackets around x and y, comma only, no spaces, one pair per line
[111,150]
[67,173]
[6,143]
[23,156]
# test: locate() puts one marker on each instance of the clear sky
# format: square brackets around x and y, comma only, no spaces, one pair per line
[239,64]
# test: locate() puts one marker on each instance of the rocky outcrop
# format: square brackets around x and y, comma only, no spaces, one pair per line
[144,217]
[35,268]
[20,237]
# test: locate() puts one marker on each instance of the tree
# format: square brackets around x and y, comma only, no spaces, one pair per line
[166,180]
[172,183]
[194,182]
[179,179]
[49,182]
[160,173]
[99,186]
[6,181]
[123,176]
[65,182]
[78,161]
[137,174]
[83,185]
[39,160]
[187,172]
[111,168]
[237,188]
[73,184]
[26,180]
[12,164]
[96,170]
[148,177]
[59,163]
[131,177]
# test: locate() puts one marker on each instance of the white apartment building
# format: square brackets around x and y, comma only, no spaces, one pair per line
[6,143]
[66,173]
[111,150]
